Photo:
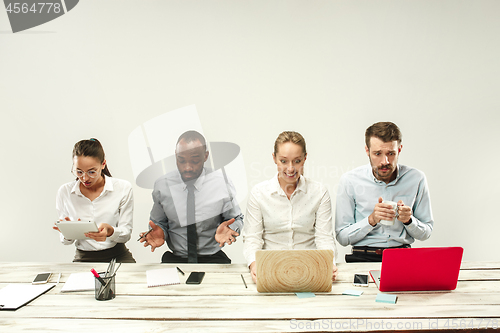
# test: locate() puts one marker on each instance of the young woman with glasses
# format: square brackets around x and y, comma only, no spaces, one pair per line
[96,196]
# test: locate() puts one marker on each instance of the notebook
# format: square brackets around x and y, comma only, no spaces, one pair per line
[79,282]
[294,270]
[14,296]
[419,269]
[162,277]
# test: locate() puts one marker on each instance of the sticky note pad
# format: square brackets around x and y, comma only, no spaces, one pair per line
[386,298]
[305,295]
[352,292]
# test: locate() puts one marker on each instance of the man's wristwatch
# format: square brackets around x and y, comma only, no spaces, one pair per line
[407,223]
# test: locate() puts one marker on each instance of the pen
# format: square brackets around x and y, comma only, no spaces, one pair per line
[104,287]
[116,270]
[111,268]
[98,277]
[59,278]
[244,281]
[110,272]
[145,234]
[180,271]
[100,281]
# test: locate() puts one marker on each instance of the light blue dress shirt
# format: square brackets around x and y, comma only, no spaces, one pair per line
[215,203]
[357,196]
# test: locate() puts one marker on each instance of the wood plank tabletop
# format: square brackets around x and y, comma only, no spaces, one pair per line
[221,302]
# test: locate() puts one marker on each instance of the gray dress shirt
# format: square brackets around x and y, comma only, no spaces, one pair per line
[215,203]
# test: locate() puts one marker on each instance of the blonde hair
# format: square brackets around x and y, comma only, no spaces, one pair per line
[290,136]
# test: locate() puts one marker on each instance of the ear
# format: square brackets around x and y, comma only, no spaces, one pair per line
[274,158]
[206,156]
[103,165]
[400,148]
[305,157]
[367,151]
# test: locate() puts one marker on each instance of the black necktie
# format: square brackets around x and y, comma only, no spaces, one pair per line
[192,237]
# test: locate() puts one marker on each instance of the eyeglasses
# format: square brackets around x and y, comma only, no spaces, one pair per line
[80,173]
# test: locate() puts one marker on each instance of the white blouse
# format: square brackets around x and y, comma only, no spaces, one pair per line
[274,222]
[114,206]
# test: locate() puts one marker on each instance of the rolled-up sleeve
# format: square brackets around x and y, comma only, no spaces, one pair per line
[157,214]
[232,209]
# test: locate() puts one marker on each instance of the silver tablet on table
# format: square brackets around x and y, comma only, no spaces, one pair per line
[76,229]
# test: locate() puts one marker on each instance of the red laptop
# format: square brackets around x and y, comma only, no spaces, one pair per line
[419,269]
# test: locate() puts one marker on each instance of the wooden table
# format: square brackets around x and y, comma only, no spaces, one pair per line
[222,303]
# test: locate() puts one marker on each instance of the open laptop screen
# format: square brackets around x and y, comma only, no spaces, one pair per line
[419,269]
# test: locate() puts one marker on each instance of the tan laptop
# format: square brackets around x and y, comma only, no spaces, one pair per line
[294,270]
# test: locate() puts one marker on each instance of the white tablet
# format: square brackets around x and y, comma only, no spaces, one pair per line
[76,229]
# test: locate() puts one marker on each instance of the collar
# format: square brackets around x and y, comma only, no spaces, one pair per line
[198,184]
[398,175]
[108,186]
[276,187]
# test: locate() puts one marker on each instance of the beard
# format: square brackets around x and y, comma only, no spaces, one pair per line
[383,172]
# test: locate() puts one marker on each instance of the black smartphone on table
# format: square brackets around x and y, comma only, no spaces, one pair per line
[361,280]
[195,277]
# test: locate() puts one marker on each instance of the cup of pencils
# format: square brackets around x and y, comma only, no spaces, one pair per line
[105,282]
[105,287]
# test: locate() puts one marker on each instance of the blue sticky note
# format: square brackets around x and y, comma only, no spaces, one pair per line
[305,295]
[386,298]
[353,292]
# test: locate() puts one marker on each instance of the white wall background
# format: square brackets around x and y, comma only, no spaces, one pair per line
[327,69]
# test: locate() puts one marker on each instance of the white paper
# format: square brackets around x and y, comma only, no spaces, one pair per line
[79,282]
[162,277]
[14,296]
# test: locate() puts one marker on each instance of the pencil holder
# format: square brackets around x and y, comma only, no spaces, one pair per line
[105,287]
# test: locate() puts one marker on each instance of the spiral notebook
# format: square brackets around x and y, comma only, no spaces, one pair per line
[162,277]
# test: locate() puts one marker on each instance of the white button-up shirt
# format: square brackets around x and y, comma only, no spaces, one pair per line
[274,222]
[114,206]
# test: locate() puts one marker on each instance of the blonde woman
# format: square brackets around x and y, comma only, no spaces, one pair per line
[289,211]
